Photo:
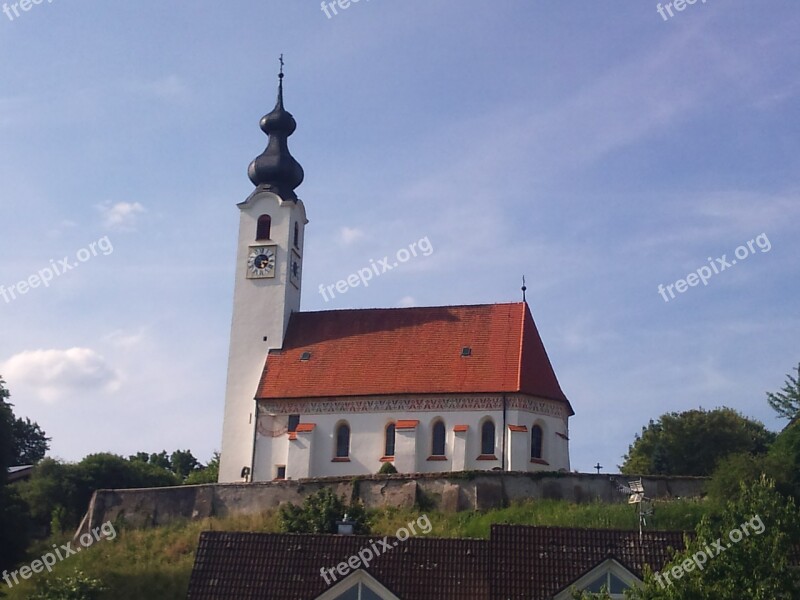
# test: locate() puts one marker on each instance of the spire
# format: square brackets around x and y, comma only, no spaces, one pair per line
[275,169]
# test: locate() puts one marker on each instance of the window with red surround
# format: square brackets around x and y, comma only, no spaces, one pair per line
[487,457]
[387,459]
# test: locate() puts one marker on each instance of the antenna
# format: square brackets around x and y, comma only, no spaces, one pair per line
[644,505]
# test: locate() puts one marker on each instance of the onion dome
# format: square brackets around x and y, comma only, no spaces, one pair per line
[275,169]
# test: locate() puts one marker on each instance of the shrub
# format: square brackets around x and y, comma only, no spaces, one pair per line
[73,587]
[320,513]
[387,468]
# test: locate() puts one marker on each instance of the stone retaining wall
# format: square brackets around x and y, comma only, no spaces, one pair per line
[448,492]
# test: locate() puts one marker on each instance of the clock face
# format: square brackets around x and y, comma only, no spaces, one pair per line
[261,262]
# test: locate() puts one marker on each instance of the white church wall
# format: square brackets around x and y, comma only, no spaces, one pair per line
[413,448]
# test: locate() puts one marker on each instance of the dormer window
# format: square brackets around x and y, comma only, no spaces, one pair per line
[263,228]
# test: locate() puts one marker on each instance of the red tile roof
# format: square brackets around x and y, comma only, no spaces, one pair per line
[411,351]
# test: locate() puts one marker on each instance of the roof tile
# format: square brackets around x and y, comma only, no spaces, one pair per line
[411,351]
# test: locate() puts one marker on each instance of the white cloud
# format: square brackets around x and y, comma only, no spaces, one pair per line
[55,374]
[406,302]
[122,215]
[122,339]
[350,235]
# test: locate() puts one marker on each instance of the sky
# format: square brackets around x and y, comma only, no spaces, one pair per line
[600,149]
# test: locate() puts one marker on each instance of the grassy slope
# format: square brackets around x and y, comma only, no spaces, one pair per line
[155,564]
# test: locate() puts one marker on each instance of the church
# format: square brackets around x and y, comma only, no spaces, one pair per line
[342,392]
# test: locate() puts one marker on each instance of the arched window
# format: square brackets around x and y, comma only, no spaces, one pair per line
[536,442]
[388,446]
[264,224]
[343,441]
[487,437]
[438,439]
[296,235]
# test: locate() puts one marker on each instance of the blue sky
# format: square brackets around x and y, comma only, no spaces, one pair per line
[594,147]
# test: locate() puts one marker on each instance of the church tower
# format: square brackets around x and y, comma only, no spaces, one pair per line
[267,283]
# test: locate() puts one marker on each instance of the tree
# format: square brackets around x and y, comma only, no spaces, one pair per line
[787,401]
[758,566]
[139,457]
[781,464]
[693,442]
[30,442]
[160,460]
[6,432]
[13,521]
[320,513]
[182,463]
[59,493]
[207,474]
[53,490]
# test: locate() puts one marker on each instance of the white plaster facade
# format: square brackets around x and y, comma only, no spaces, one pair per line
[261,311]
[311,450]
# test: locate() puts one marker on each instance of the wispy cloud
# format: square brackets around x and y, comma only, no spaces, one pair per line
[122,216]
[406,302]
[350,235]
[126,340]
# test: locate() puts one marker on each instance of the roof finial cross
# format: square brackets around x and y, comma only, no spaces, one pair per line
[524,289]
[281,61]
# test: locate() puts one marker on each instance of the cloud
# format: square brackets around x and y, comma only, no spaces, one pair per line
[122,215]
[407,301]
[121,339]
[350,235]
[55,374]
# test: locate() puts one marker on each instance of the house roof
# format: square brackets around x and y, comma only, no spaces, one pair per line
[287,566]
[411,351]
[19,472]
[516,562]
[537,562]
